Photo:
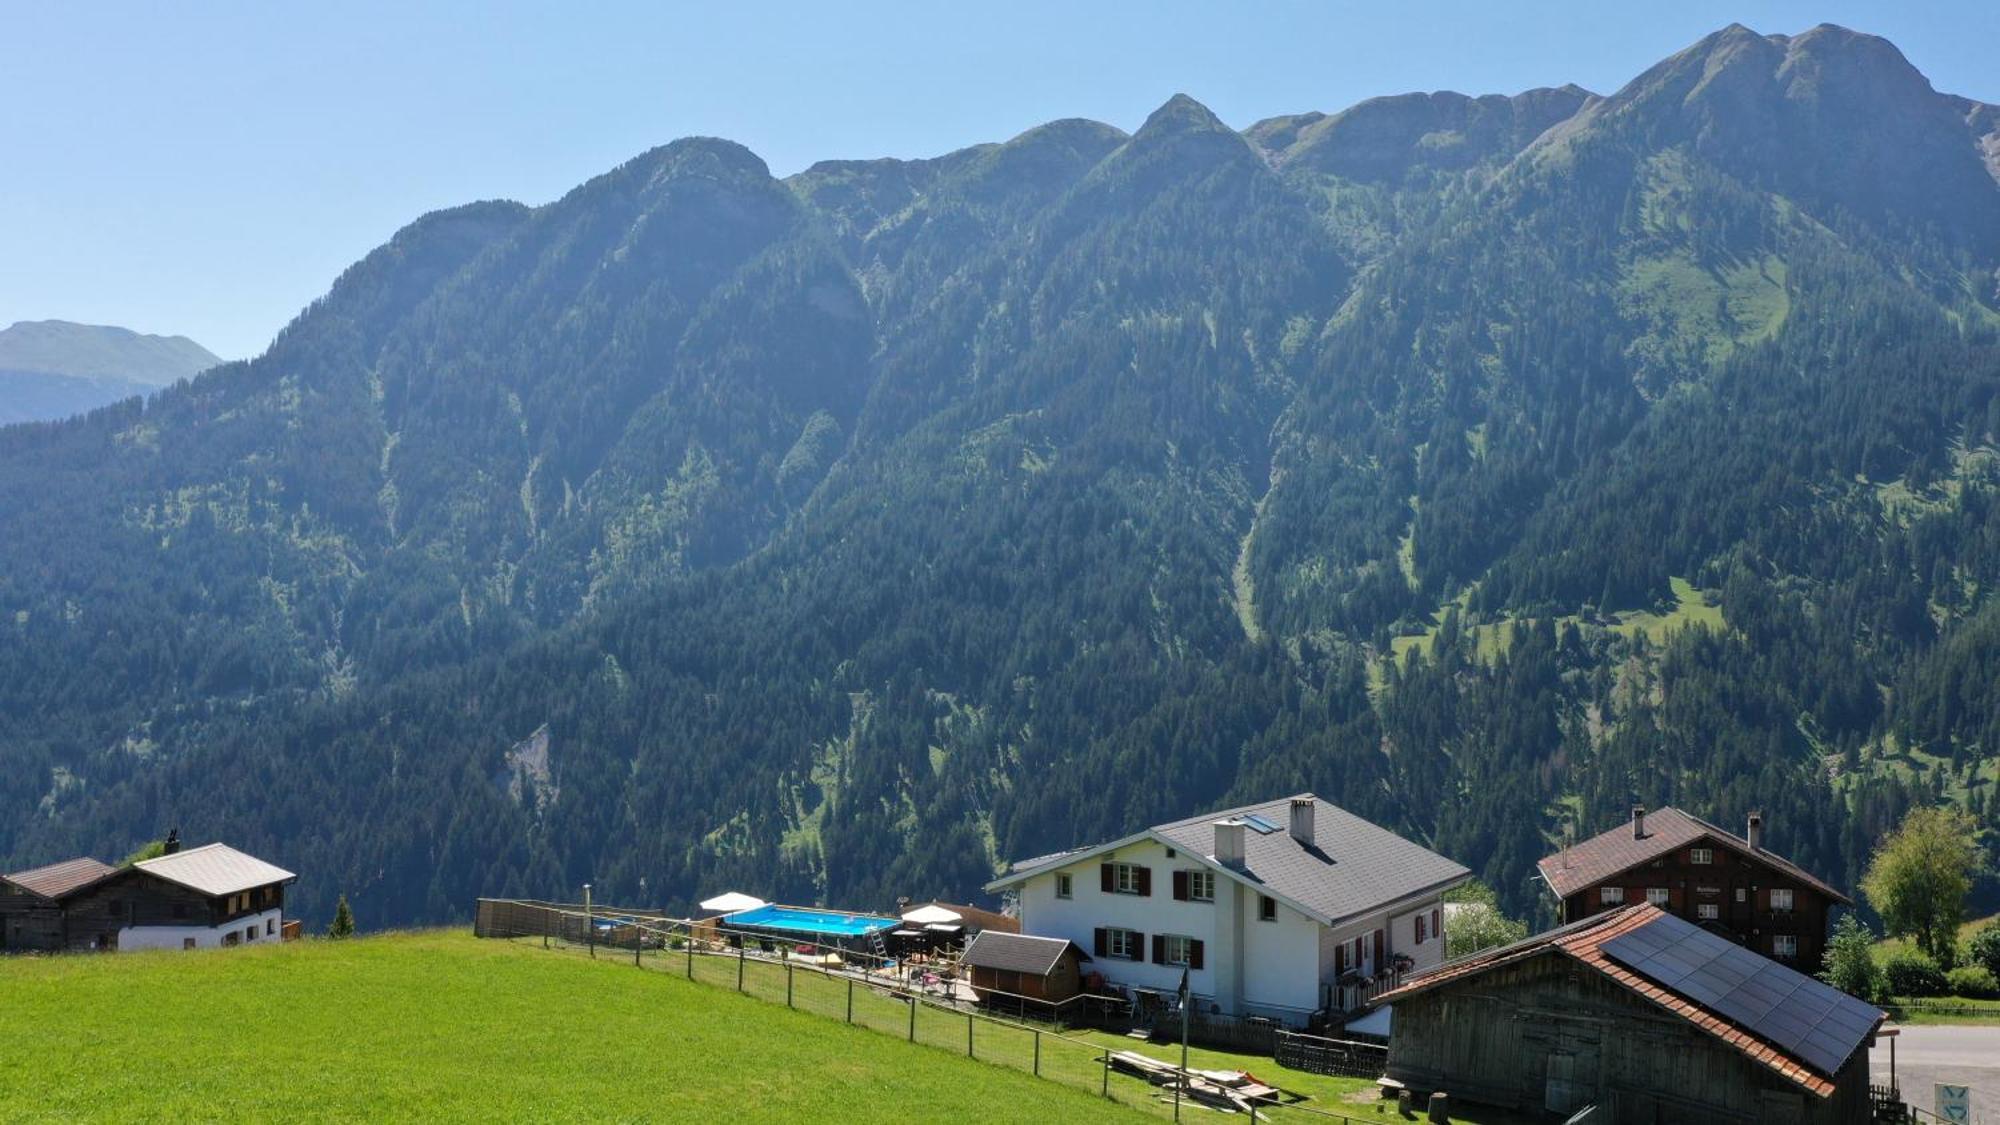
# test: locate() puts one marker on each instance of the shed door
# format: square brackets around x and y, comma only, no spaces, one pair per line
[1571,1076]
[1559,1087]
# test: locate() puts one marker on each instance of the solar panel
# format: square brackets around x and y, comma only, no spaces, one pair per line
[1811,1021]
[1260,825]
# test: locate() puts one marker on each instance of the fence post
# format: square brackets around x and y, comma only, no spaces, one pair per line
[788,984]
[968,1035]
[638,944]
[913,1018]
[739,967]
[850,999]
[1106,1088]
[1038,1053]
[687,939]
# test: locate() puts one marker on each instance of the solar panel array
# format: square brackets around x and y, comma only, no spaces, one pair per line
[1260,825]
[1813,1022]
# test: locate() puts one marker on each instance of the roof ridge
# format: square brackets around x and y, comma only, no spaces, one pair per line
[186,852]
[1222,814]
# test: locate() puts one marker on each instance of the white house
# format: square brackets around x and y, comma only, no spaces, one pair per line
[1282,909]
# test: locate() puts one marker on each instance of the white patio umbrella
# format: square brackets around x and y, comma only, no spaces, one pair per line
[732,903]
[932,915]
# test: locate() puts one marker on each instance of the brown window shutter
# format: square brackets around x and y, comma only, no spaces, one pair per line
[1159,949]
[1378,949]
[1105,881]
[1194,954]
[1180,886]
[1145,880]
[1340,958]
[1098,944]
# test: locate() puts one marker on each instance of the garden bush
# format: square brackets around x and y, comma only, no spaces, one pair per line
[1984,950]
[1973,982]
[1911,973]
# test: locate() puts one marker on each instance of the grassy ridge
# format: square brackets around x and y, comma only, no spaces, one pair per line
[438,1025]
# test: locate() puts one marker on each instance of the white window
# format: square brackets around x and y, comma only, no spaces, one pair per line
[1177,950]
[1739,894]
[1064,887]
[1125,878]
[1610,896]
[1267,908]
[1781,899]
[1784,945]
[1709,911]
[1121,943]
[1201,886]
[1656,895]
[1701,855]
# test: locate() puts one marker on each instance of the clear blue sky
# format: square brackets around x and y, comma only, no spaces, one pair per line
[208,169]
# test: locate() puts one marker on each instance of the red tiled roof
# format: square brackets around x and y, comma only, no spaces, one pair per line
[1612,853]
[60,879]
[1583,941]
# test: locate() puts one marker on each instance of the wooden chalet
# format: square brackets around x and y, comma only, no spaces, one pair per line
[1731,885]
[200,898]
[1644,1016]
[1005,966]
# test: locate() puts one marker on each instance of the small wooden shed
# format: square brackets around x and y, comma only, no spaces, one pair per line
[1005,966]
[1643,1015]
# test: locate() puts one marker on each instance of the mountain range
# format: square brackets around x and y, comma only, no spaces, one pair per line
[52,369]
[1482,464]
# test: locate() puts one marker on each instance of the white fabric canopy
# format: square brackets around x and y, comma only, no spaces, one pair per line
[732,902]
[926,915]
[1375,1023]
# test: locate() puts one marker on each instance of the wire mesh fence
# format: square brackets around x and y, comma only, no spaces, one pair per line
[856,986]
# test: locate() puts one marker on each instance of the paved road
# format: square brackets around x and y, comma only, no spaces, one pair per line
[1945,1053]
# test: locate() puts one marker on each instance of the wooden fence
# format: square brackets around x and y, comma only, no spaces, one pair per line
[856,988]
[1319,1055]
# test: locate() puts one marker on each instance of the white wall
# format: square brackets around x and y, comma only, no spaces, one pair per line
[1280,963]
[1077,918]
[1279,960]
[1403,936]
[133,938]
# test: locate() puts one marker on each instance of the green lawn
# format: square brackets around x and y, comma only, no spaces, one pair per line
[438,1025]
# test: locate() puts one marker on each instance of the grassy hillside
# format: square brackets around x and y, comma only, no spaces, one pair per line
[438,1025]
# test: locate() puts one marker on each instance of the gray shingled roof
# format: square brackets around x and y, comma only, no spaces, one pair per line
[1353,866]
[1017,953]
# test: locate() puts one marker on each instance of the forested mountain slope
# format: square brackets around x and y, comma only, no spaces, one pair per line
[840,537]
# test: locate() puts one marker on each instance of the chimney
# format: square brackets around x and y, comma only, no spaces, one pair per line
[1302,820]
[1754,832]
[1638,822]
[1229,843]
[173,843]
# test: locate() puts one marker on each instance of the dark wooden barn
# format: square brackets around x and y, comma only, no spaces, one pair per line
[32,918]
[1642,1014]
[1004,966]
[199,898]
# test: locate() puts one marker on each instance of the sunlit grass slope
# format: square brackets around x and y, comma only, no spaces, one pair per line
[438,1025]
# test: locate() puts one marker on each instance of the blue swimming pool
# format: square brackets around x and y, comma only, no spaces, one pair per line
[819,922]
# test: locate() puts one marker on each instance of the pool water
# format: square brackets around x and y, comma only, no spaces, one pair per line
[808,921]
